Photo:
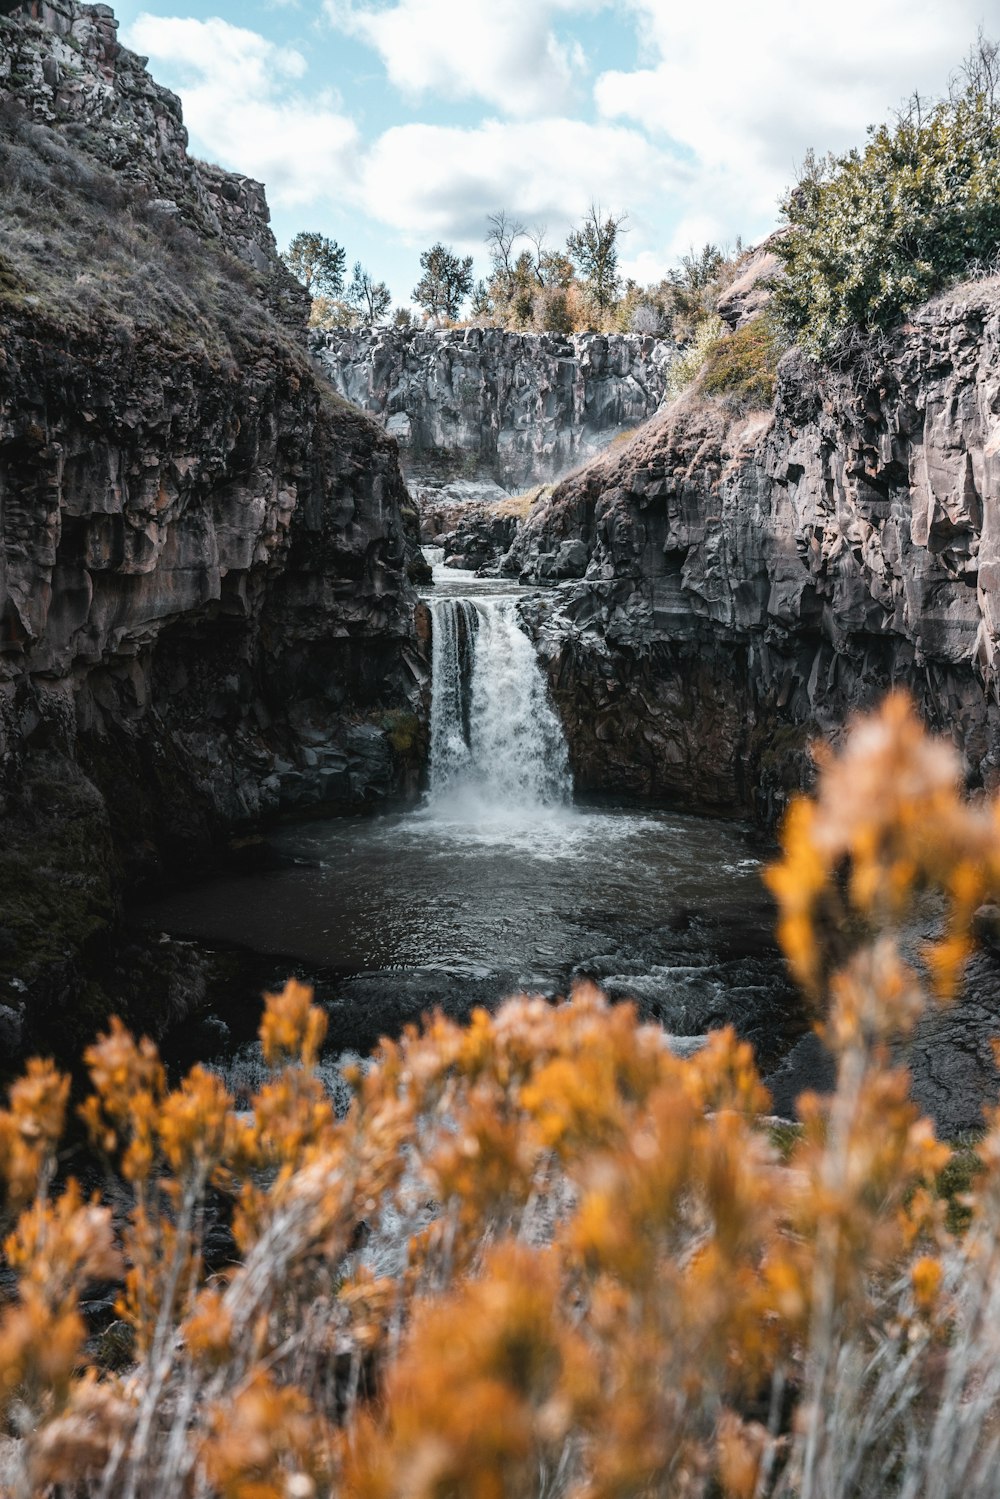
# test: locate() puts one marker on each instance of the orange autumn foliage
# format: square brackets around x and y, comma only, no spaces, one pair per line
[540,1254]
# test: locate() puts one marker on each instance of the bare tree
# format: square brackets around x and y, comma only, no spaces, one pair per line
[980,73]
[536,238]
[502,235]
[371,298]
[915,109]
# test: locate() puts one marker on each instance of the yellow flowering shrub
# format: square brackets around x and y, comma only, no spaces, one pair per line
[541,1255]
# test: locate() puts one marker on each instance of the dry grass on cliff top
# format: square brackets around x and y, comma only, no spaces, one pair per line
[738,368]
[520,506]
[80,249]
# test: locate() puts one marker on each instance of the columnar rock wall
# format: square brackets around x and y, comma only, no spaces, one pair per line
[205,610]
[746,582]
[743,584]
[517,408]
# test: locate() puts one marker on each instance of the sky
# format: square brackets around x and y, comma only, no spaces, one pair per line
[391,124]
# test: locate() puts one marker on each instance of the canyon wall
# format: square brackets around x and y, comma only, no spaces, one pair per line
[205,608]
[481,403]
[742,582]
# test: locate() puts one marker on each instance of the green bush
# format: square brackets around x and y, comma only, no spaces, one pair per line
[878,231]
[685,369]
[743,367]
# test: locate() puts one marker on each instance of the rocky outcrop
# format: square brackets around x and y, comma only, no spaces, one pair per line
[472,535]
[517,408]
[749,292]
[741,585]
[61,63]
[205,613]
[745,583]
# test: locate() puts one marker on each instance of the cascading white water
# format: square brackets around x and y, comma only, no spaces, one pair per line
[495,737]
[454,627]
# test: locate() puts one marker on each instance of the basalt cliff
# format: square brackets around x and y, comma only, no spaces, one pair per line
[205,612]
[743,581]
[482,404]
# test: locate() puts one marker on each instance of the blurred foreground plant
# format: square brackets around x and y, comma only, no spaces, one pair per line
[541,1255]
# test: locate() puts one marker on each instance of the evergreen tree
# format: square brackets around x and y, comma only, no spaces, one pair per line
[594,247]
[875,232]
[446,282]
[319,263]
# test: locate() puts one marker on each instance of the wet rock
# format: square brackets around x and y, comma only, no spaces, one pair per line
[950,1058]
[986,926]
[685,1046]
[473,535]
[11,1031]
[951,1053]
[808,1068]
[569,560]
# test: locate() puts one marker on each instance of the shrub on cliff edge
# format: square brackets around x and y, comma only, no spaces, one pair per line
[686,368]
[876,232]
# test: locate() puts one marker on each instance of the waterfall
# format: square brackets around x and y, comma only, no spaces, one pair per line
[495,737]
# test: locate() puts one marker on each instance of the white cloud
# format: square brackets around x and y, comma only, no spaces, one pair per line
[247,105]
[435,181]
[241,107]
[748,88]
[697,144]
[506,52]
[648,266]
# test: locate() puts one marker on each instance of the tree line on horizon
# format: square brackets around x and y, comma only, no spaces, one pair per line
[530,286]
[868,235]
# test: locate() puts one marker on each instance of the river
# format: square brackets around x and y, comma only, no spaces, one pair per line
[499,880]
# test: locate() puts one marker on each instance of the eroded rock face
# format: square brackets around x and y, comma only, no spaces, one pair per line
[747,296]
[517,408]
[747,583]
[205,613]
[62,62]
